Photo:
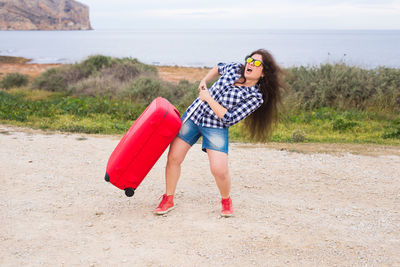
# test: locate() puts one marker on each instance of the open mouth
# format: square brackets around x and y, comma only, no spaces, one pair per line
[249,70]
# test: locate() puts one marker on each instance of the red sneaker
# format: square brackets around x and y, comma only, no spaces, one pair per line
[166,204]
[227,208]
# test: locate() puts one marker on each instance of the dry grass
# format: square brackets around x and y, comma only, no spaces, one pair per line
[32,70]
[176,74]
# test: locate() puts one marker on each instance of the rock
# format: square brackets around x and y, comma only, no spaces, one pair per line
[43,15]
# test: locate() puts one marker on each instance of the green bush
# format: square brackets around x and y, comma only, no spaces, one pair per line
[94,63]
[96,76]
[343,87]
[185,94]
[143,90]
[58,79]
[12,107]
[394,133]
[298,136]
[12,80]
[392,130]
[343,125]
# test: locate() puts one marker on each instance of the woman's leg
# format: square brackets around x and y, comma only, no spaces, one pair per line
[176,155]
[219,169]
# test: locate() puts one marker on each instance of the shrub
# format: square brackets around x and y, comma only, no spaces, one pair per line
[185,93]
[395,133]
[12,107]
[143,69]
[58,79]
[344,87]
[342,125]
[96,76]
[298,136]
[96,86]
[143,90]
[12,80]
[393,130]
[93,64]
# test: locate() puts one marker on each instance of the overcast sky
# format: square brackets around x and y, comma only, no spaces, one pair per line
[249,14]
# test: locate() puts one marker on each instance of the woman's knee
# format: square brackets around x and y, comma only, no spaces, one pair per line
[220,172]
[175,158]
[218,164]
[177,152]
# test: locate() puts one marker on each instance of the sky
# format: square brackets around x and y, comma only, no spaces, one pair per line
[250,14]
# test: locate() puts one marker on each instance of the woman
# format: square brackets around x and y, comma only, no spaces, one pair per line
[253,88]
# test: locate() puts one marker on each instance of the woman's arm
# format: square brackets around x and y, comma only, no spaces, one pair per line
[242,110]
[218,109]
[211,75]
[204,94]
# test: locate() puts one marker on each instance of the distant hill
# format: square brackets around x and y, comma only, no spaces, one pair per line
[43,15]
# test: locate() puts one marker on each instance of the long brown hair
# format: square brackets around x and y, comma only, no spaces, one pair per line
[261,122]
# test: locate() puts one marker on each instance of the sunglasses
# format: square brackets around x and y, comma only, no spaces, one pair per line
[256,62]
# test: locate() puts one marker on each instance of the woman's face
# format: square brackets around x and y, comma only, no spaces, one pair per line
[253,72]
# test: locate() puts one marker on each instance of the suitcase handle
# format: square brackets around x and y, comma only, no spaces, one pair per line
[177,112]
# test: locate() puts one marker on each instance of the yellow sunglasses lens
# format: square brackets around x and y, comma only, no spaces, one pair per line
[256,63]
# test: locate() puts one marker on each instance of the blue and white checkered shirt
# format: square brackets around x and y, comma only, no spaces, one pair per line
[240,101]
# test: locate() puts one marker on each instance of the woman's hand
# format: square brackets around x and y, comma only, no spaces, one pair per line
[216,107]
[202,85]
[204,94]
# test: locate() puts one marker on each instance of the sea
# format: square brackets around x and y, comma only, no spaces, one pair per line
[205,48]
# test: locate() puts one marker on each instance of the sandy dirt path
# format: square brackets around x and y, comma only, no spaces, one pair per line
[291,209]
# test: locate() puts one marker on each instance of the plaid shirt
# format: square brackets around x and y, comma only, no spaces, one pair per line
[240,101]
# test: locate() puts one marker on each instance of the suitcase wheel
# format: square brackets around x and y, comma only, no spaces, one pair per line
[129,192]
[107,178]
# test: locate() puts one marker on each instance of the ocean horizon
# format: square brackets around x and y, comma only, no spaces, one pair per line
[205,48]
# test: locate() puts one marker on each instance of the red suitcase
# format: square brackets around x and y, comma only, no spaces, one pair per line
[142,145]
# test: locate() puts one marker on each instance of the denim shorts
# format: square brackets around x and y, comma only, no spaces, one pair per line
[213,138]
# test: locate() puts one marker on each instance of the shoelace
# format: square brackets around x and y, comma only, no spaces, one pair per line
[163,201]
[226,204]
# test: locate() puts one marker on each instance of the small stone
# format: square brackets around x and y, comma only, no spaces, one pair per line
[90,225]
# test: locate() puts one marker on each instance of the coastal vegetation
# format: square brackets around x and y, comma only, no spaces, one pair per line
[326,103]
[14,80]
